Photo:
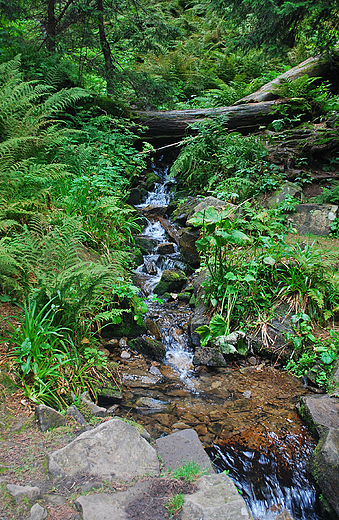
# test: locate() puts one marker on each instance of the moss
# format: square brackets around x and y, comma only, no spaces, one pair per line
[184,297]
[150,347]
[151,179]
[171,281]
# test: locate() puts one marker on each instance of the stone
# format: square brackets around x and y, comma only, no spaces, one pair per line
[125,354]
[155,371]
[210,202]
[37,513]
[113,450]
[180,426]
[166,248]
[325,466]
[198,319]
[72,411]
[287,189]
[97,411]
[89,486]
[123,343]
[180,447]
[148,346]
[208,356]
[153,329]
[21,492]
[146,244]
[149,405]
[217,498]
[113,506]
[172,280]
[233,344]
[313,218]
[321,412]
[285,515]
[188,250]
[48,417]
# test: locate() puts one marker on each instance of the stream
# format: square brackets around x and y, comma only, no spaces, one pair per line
[245,413]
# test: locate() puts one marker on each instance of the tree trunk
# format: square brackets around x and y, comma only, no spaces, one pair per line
[313,67]
[51,26]
[106,50]
[245,118]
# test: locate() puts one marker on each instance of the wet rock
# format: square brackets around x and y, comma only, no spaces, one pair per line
[313,218]
[289,189]
[184,297]
[208,356]
[216,497]
[134,197]
[123,343]
[188,250]
[48,417]
[37,513]
[114,449]
[172,280]
[145,244]
[181,211]
[109,394]
[154,210]
[72,411]
[180,447]
[165,419]
[112,343]
[153,329]
[155,371]
[150,266]
[149,405]
[201,429]
[321,412]
[150,347]
[198,319]
[23,492]
[151,180]
[167,248]
[125,354]
[285,515]
[325,466]
[180,426]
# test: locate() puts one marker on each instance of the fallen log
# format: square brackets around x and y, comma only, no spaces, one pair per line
[244,118]
[313,67]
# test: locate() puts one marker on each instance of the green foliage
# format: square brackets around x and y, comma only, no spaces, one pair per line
[231,158]
[190,471]
[175,504]
[311,357]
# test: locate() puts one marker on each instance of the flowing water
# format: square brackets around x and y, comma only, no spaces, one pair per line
[245,414]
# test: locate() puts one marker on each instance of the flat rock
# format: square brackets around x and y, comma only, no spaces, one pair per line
[208,356]
[217,498]
[48,417]
[106,506]
[150,405]
[183,446]
[322,411]
[37,513]
[97,411]
[20,492]
[114,449]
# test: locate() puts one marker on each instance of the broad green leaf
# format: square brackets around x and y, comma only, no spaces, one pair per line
[269,260]
[249,278]
[327,358]
[230,276]
[218,326]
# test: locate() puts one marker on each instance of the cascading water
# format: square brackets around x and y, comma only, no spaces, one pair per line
[260,439]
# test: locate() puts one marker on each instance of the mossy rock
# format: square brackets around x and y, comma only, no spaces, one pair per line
[128,328]
[184,297]
[152,179]
[149,347]
[136,257]
[172,280]
[112,106]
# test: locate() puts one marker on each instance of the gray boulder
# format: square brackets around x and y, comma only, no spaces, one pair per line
[217,498]
[322,413]
[187,239]
[72,411]
[48,417]
[287,189]
[114,449]
[313,218]
[37,513]
[183,446]
[21,492]
[97,411]
[104,506]
[208,356]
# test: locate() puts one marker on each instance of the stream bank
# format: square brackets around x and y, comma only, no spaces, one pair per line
[244,412]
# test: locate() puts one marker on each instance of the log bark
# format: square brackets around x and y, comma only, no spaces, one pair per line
[313,67]
[245,118]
